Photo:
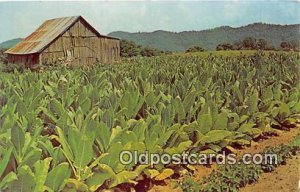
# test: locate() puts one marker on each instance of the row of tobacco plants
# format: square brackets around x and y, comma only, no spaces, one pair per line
[231,178]
[63,129]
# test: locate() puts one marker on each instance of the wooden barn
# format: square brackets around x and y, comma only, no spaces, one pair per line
[69,40]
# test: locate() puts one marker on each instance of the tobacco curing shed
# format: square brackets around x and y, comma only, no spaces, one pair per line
[70,40]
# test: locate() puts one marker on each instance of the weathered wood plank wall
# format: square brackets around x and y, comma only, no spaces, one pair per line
[28,60]
[80,45]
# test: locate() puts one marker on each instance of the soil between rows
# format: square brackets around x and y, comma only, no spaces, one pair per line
[292,170]
[285,178]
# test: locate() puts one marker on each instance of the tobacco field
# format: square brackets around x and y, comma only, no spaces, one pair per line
[63,129]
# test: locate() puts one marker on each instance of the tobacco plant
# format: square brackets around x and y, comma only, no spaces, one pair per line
[63,129]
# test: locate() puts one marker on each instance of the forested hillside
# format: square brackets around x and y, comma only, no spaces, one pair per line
[209,39]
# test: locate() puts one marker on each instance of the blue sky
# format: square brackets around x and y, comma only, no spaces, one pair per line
[19,19]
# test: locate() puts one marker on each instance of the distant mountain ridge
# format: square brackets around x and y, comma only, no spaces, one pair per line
[209,39]
[10,43]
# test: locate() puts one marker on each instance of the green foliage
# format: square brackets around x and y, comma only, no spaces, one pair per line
[194,49]
[233,177]
[290,45]
[63,129]
[248,43]
[210,39]
[130,49]
[56,178]
[224,46]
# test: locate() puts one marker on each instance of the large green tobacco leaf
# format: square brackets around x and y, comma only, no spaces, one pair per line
[139,130]
[128,136]
[237,92]
[65,145]
[124,177]
[294,95]
[221,121]
[86,105]
[57,177]
[189,100]
[168,115]
[245,127]
[57,108]
[277,93]
[97,179]
[74,185]
[151,99]
[216,136]
[101,174]
[179,134]
[82,147]
[284,111]
[253,103]
[25,181]
[268,94]
[112,157]
[41,171]
[103,136]
[8,118]
[18,140]
[179,108]
[183,146]
[204,123]
[132,101]
[5,160]
[248,129]
[108,118]
[10,177]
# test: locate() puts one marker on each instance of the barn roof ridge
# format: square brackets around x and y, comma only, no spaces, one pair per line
[47,33]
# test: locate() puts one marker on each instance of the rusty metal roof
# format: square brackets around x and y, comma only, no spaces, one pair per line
[47,33]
